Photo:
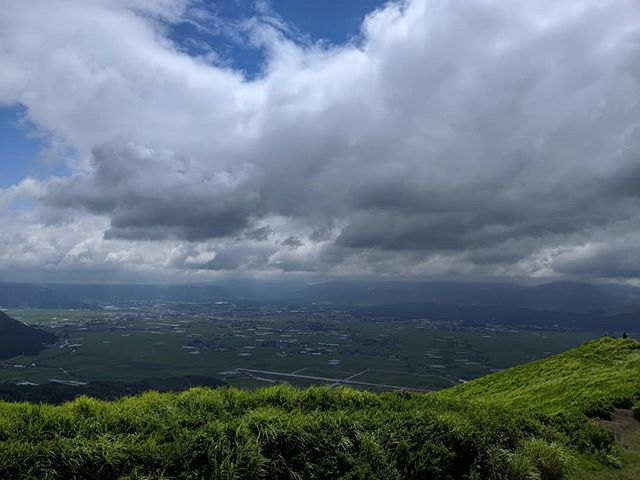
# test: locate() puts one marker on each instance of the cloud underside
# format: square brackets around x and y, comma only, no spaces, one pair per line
[450,138]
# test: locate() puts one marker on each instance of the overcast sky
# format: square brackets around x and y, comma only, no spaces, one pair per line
[180,140]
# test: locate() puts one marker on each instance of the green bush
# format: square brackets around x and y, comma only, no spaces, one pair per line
[518,466]
[601,409]
[552,460]
[502,464]
[592,437]
[270,433]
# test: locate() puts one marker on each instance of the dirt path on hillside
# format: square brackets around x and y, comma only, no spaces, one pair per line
[622,423]
[627,432]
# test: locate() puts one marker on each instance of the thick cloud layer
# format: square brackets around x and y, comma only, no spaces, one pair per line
[484,137]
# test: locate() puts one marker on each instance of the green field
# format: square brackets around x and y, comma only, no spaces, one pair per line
[129,344]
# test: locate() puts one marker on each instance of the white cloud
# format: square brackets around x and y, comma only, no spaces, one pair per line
[467,138]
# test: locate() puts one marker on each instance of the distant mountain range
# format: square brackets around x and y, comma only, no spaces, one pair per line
[505,317]
[17,338]
[591,298]
[59,295]
[108,294]
[555,296]
[21,295]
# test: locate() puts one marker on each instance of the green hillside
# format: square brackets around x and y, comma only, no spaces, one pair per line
[589,379]
[530,422]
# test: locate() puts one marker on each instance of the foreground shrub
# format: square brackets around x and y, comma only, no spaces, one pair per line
[271,433]
[506,465]
[518,466]
[552,460]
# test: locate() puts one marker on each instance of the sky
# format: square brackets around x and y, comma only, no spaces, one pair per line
[189,140]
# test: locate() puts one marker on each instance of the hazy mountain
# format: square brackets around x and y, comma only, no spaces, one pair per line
[555,296]
[106,294]
[263,290]
[506,317]
[18,295]
[575,296]
[561,296]
[54,295]
[17,338]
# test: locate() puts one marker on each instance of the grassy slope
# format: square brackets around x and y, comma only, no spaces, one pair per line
[599,373]
[589,379]
[501,426]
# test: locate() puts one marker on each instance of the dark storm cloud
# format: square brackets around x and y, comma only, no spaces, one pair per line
[616,258]
[259,234]
[292,242]
[234,257]
[150,195]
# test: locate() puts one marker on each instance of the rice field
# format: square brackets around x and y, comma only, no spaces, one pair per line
[130,344]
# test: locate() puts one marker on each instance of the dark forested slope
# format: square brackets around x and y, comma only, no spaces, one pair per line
[17,338]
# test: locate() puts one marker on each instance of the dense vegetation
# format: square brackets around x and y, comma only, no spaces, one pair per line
[530,422]
[17,338]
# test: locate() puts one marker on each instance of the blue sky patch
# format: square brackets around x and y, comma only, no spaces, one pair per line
[214,29]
